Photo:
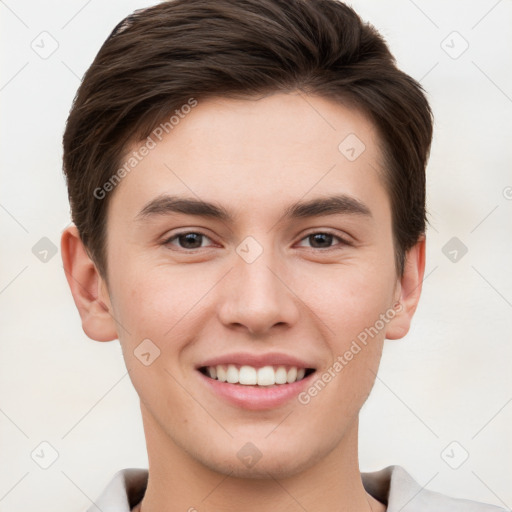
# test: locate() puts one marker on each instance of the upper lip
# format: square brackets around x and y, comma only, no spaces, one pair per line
[257,360]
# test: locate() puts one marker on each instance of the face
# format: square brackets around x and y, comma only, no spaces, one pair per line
[290,265]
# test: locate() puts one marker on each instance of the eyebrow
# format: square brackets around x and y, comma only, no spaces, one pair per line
[330,205]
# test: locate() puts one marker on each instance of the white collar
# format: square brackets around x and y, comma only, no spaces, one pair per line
[391,485]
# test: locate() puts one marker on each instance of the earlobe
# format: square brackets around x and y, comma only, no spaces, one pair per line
[409,291]
[87,287]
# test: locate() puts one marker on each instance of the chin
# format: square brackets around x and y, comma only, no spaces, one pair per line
[277,464]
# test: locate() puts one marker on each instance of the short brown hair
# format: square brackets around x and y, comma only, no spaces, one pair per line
[158,58]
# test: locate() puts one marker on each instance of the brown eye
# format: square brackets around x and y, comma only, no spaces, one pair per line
[187,240]
[320,240]
[323,240]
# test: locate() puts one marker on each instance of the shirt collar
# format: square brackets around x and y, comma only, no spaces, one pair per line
[392,485]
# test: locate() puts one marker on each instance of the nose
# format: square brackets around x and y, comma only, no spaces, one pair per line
[258,296]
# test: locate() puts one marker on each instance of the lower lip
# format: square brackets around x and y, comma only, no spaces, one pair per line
[256,397]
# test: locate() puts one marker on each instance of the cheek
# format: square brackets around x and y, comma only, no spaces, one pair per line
[152,301]
[354,306]
[155,308]
[348,299]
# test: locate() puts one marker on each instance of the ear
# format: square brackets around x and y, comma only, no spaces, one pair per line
[88,288]
[408,291]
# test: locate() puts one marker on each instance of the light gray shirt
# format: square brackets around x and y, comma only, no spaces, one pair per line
[392,486]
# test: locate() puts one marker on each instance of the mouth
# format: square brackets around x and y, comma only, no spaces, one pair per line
[256,381]
[263,376]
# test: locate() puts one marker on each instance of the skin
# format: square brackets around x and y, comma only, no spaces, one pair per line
[254,157]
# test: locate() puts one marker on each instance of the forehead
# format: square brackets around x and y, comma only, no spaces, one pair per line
[281,145]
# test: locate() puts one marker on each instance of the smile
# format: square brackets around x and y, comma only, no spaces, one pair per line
[246,375]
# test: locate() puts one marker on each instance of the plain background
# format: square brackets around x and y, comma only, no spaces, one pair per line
[443,393]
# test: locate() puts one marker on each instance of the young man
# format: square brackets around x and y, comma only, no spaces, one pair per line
[247,184]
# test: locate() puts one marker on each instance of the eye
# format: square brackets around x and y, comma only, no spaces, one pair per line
[187,240]
[323,240]
[194,240]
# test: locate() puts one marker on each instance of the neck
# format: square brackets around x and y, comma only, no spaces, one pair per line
[178,481]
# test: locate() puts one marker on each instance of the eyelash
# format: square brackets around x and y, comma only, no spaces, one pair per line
[342,241]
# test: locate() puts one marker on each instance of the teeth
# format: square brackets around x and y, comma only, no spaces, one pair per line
[266,376]
[291,376]
[250,376]
[221,373]
[232,374]
[247,375]
[281,375]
